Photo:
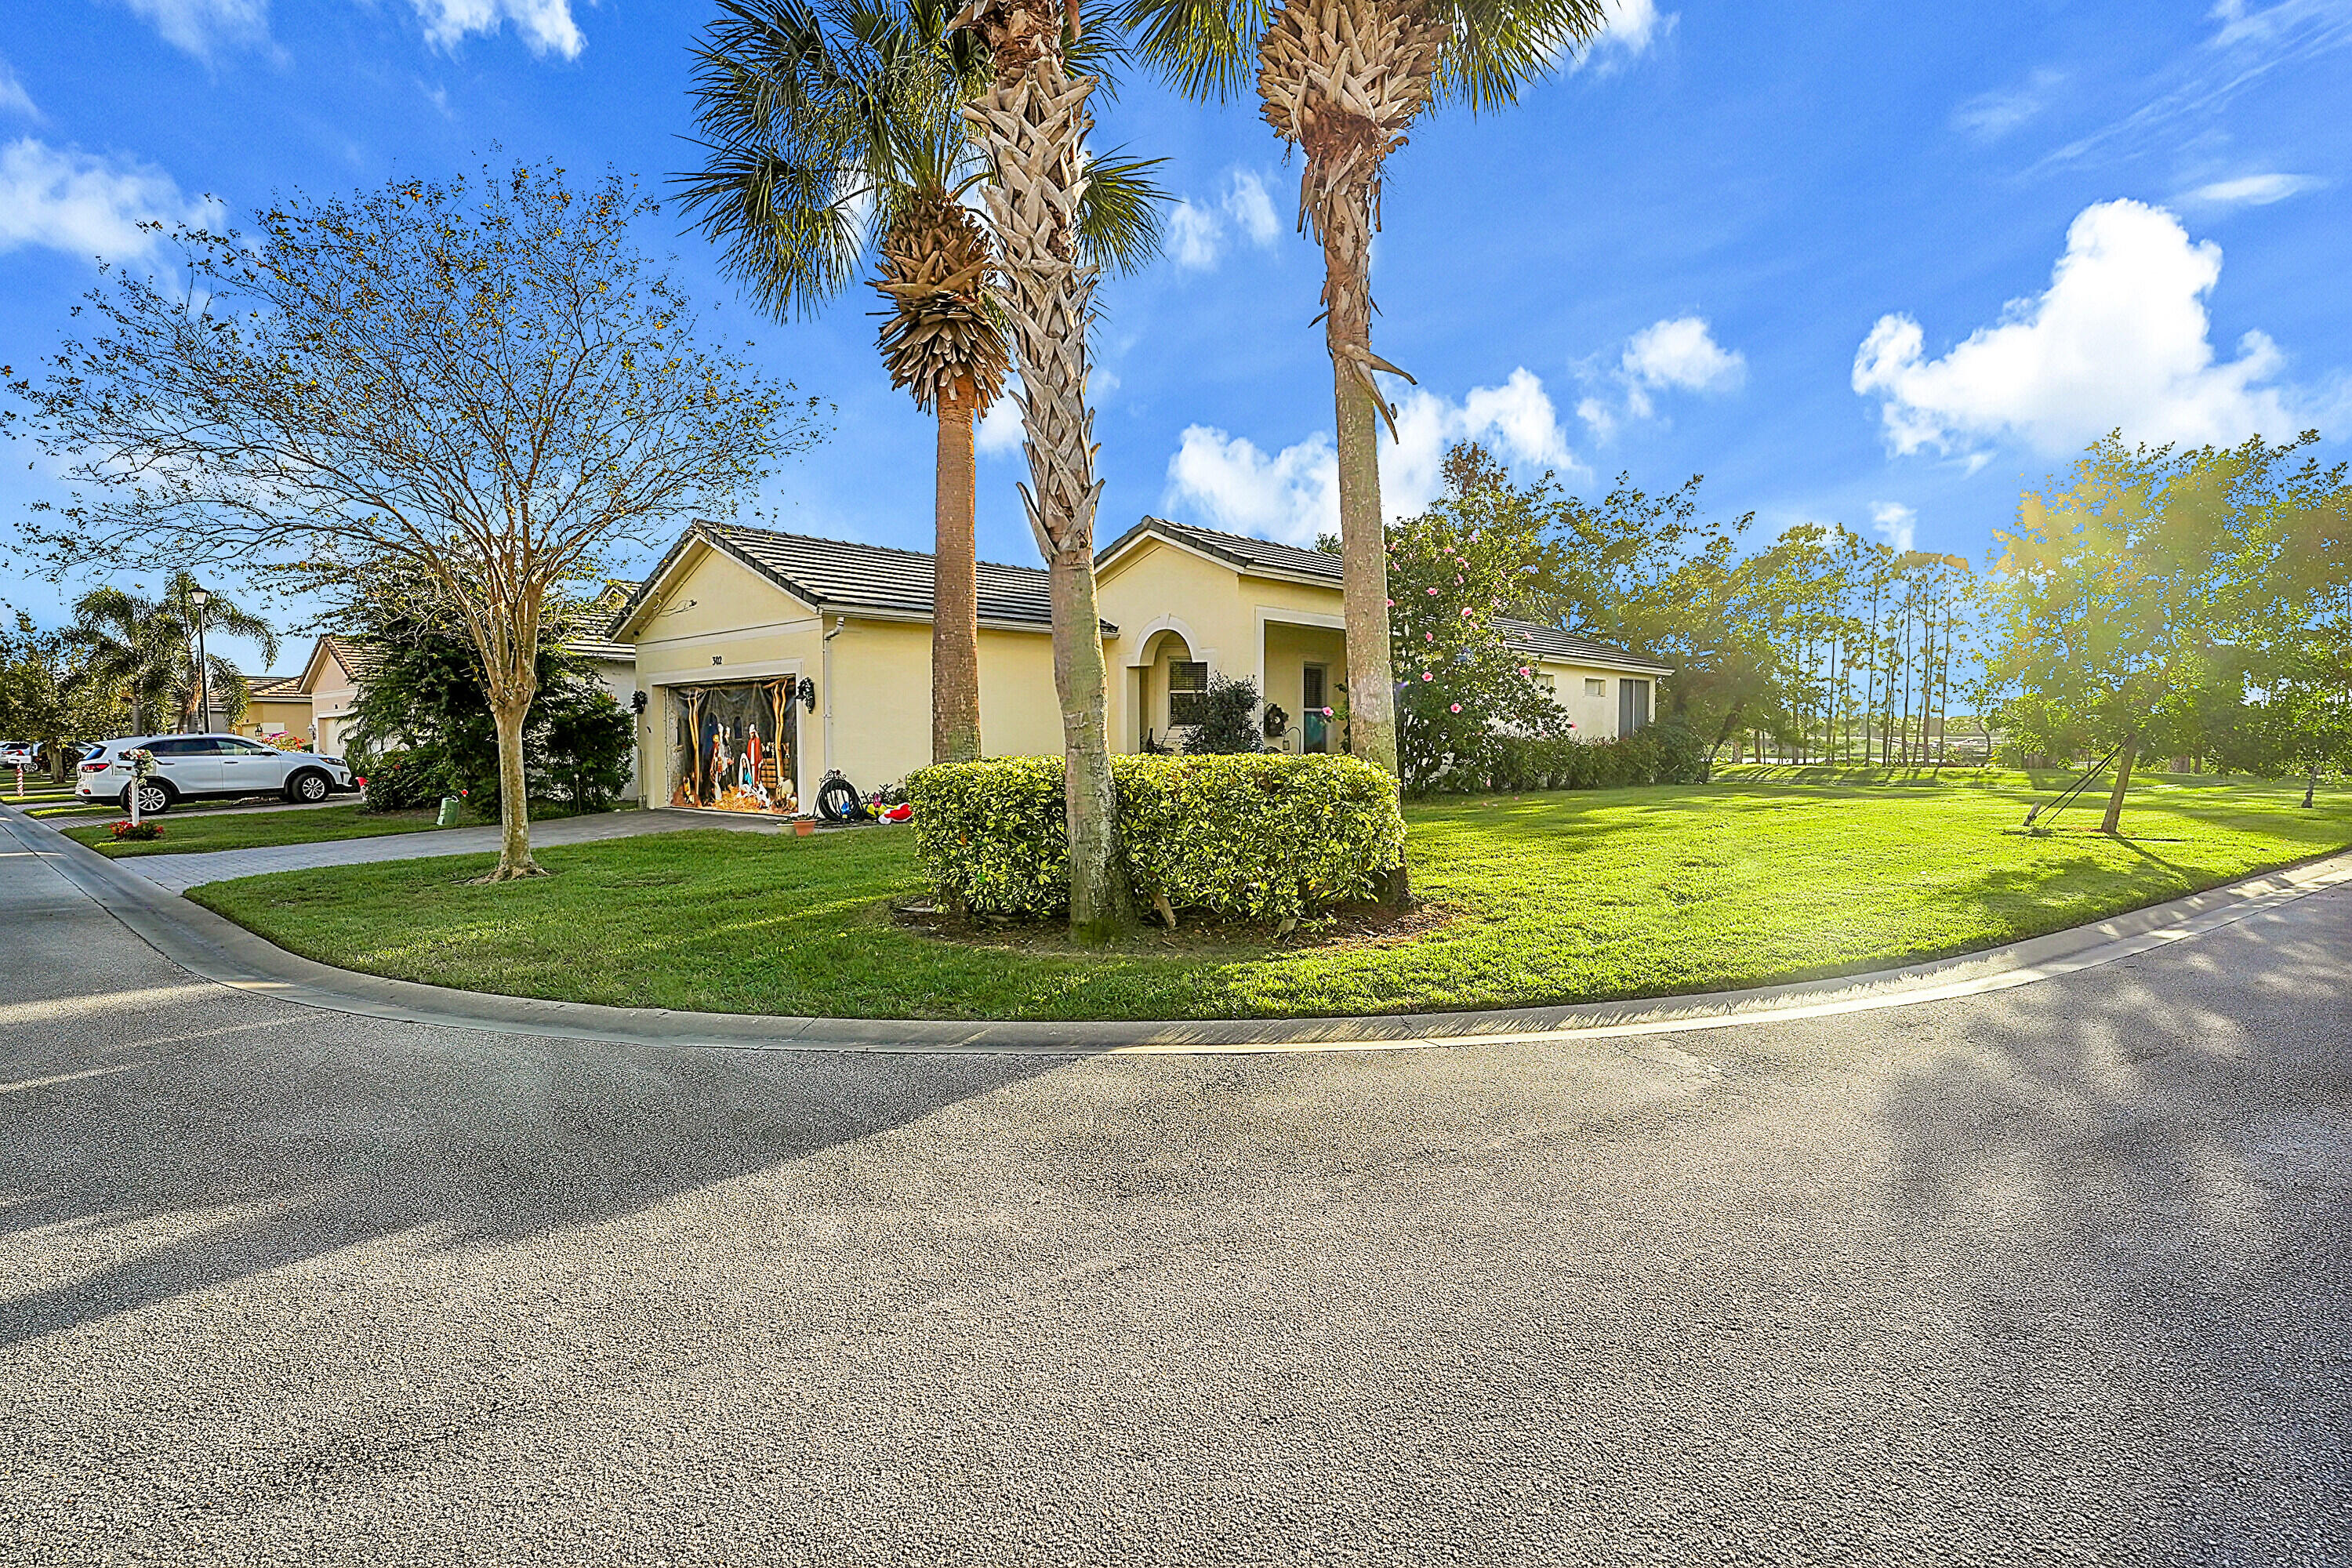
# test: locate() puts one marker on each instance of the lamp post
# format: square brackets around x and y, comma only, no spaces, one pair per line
[200,598]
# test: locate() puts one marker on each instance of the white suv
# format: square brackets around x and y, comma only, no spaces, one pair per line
[191,767]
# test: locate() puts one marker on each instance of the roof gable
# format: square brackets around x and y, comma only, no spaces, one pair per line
[843,577]
[1255,557]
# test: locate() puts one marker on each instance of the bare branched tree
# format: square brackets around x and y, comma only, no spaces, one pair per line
[485,381]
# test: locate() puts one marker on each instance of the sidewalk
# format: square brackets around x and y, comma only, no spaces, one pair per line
[178,873]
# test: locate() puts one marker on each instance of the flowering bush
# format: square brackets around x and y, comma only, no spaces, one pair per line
[1462,690]
[286,742]
[129,832]
[1261,836]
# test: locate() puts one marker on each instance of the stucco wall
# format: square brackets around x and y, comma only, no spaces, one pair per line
[873,679]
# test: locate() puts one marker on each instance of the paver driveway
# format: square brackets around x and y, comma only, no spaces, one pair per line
[2058,1273]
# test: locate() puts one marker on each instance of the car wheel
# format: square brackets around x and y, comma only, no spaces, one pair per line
[154,799]
[308,786]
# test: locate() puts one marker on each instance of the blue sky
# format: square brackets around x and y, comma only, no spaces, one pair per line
[1853,270]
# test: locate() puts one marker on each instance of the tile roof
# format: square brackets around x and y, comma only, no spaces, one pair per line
[273,688]
[841,575]
[596,647]
[1238,550]
[1550,642]
[1247,554]
[356,655]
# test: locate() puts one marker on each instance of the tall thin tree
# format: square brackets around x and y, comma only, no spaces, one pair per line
[835,144]
[1342,80]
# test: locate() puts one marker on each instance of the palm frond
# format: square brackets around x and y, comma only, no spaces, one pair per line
[1205,48]
[1498,47]
[1118,219]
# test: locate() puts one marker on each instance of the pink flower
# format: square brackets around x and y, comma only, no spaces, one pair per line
[1425,674]
[1433,593]
[1392,603]
[1465,611]
[1523,669]
[1429,637]
[1327,712]
[1457,708]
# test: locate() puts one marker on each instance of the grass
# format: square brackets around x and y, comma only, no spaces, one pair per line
[1554,897]
[256,830]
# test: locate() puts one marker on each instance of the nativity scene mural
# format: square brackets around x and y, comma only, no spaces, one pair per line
[731,746]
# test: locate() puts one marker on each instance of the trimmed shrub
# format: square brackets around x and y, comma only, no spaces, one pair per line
[1664,752]
[1262,837]
[404,781]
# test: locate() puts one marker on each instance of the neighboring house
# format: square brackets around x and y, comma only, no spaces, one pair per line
[1200,603]
[769,659]
[331,679]
[275,705]
[339,667]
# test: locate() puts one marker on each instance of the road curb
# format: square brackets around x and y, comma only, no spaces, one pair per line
[219,950]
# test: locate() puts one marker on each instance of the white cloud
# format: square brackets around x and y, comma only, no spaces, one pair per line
[2253,190]
[1197,232]
[1228,482]
[1000,432]
[1195,236]
[1678,354]
[2118,340]
[1895,523]
[1989,116]
[545,25]
[203,27]
[1683,354]
[1248,203]
[1632,27]
[14,99]
[82,204]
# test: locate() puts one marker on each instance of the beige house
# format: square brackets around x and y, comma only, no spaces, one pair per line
[768,659]
[331,679]
[1192,603]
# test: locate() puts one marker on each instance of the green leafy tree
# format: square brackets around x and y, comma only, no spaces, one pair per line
[1342,80]
[2120,578]
[1229,719]
[485,381]
[1458,570]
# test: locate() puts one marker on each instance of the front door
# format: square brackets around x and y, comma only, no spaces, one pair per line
[1315,730]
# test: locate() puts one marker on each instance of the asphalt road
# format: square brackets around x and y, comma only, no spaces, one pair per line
[2056,1274]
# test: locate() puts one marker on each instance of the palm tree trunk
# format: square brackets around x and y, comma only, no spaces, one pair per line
[955,591]
[1363,532]
[1034,124]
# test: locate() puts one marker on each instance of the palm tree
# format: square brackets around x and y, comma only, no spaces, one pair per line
[149,649]
[1046,57]
[1342,79]
[835,143]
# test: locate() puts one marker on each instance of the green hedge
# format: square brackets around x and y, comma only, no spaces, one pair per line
[1664,752]
[1260,837]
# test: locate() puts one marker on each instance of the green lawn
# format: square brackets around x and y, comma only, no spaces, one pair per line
[1554,897]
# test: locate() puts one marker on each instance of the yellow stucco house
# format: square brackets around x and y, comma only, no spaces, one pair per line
[276,705]
[767,659]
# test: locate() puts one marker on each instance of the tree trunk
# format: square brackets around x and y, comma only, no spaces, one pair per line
[2310,786]
[1034,124]
[2114,821]
[1707,768]
[955,593]
[508,712]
